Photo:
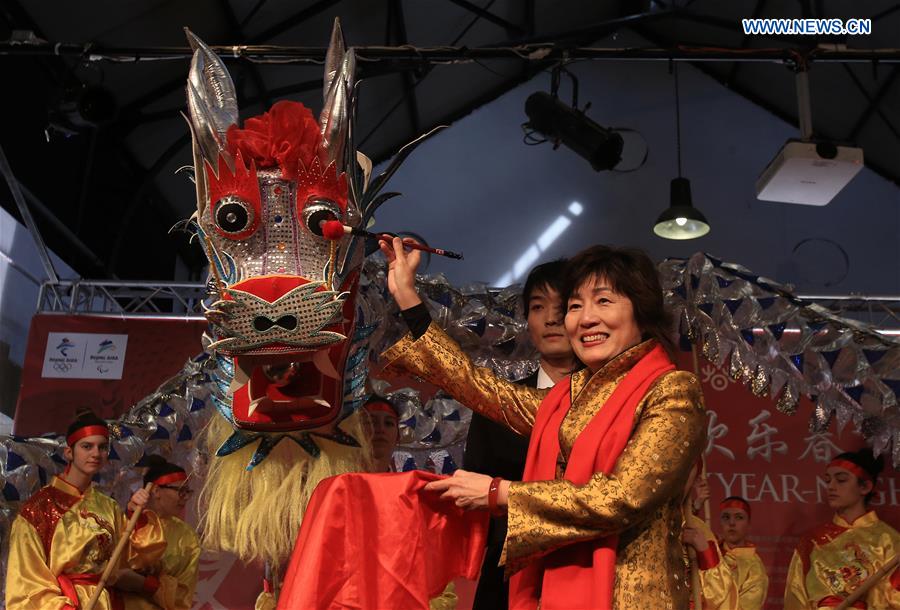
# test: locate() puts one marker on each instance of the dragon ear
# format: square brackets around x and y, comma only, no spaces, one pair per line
[334,122]
[212,104]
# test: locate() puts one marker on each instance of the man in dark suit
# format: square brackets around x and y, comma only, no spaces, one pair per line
[497,451]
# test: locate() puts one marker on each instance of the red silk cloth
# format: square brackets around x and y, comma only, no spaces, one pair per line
[581,575]
[374,541]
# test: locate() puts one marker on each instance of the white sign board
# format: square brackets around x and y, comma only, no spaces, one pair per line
[84,356]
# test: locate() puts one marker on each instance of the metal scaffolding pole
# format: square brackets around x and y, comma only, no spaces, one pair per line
[430,55]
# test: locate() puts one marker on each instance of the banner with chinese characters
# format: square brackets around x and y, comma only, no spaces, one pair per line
[777,464]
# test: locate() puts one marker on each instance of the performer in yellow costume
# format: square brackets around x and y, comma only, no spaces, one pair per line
[597,522]
[836,557]
[739,557]
[65,533]
[170,582]
[749,572]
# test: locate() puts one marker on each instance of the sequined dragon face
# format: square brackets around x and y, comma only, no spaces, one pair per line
[284,296]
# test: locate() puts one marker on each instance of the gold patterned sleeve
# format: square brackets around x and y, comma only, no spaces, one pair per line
[438,359]
[653,468]
[795,595]
[755,587]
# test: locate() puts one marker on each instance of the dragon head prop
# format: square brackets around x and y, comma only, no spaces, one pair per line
[287,333]
[285,303]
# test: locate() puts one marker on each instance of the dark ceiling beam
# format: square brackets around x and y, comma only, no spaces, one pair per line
[64,231]
[886,13]
[252,13]
[471,24]
[409,82]
[127,126]
[745,40]
[236,33]
[530,22]
[17,18]
[294,20]
[874,103]
[589,33]
[511,28]
[284,25]
[145,190]
[735,27]
[758,100]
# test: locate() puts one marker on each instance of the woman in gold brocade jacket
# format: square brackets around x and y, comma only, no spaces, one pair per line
[597,521]
[835,558]
[65,534]
[169,582]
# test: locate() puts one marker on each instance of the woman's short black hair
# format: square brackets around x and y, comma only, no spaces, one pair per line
[630,272]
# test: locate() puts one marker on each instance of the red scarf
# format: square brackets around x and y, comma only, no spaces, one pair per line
[581,575]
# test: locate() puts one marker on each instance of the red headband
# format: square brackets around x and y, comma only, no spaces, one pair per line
[381,406]
[736,503]
[172,477]
[852,468]
[92,430]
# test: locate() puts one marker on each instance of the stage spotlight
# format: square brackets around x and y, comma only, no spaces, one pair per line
[566,125]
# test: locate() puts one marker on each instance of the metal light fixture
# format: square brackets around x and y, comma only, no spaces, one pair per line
[681,220]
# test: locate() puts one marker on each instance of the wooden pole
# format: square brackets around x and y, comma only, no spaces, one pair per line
[117,552]
[870,582]
[696,584]
[706,511]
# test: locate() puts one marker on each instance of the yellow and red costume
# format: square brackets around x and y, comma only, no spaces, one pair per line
[749,575]
[833,560]
[719,590]
[172,579]
[628,516]
[60,543]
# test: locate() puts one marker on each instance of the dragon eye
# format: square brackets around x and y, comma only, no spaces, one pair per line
[234,217]
[317,211]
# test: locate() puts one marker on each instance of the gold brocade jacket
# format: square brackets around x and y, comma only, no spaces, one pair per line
[640,501]
[837,557]
[176,570]
[60,531]
[750,576]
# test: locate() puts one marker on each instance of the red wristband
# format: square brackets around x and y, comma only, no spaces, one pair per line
[493,492]
[151,584]
[709,558]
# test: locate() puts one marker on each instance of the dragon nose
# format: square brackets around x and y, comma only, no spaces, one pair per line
[262,323]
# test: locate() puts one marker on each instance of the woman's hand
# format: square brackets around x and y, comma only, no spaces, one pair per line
[401,272]
[469,490]
[695,538]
